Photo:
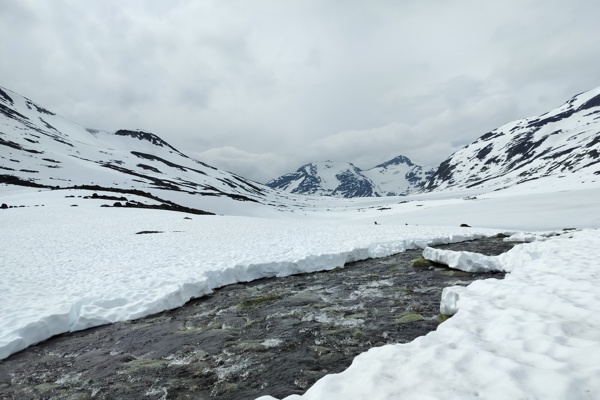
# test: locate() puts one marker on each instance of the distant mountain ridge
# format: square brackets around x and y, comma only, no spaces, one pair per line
[39,148]
[398,176]
[563,141]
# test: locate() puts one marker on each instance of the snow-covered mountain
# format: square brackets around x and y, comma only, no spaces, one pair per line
[398,176]
[564,141]
[40,148]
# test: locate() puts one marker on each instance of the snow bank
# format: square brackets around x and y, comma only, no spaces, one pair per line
[70,268]
[535,236]
[475,262]
[533,335]
[463,260]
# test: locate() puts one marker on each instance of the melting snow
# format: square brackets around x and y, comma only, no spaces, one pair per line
[71,268]
[533,335]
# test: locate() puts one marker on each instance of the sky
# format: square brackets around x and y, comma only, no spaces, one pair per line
[262,87]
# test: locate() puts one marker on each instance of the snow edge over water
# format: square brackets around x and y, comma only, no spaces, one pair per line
[534,334]
[91,312]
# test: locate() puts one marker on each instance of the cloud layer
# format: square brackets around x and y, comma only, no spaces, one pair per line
[261,87]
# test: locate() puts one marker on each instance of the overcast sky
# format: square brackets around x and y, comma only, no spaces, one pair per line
[260,87]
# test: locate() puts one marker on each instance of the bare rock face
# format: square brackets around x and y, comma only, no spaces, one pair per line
[273,336]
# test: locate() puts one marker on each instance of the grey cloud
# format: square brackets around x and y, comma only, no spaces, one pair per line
[260,167]
[260,88]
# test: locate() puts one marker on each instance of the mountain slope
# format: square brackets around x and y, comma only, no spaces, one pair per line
[563,141]
[41,148]
[325,178]
[397,176]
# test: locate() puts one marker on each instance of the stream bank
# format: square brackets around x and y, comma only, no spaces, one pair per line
[272,336]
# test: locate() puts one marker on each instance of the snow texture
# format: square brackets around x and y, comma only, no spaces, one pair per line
[531,236]
[463,260]
[533,335]
[70,268]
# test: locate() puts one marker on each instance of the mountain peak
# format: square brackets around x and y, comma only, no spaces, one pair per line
[398,176]
[396,161]
[142,135]
[148,137]
[41,149]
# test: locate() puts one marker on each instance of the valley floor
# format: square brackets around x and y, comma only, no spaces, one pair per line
[69,264]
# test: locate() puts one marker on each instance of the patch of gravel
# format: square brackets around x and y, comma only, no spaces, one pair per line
[272,336]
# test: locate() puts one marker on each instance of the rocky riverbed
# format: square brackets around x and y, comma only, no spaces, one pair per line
[272,336]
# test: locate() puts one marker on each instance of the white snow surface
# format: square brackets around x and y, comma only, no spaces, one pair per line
[463,260]
[533,335]
[67,268]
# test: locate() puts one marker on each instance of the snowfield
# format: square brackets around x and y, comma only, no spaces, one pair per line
[67,268]
[68,264]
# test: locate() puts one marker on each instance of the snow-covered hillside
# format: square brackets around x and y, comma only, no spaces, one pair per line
[41,148]
[564,141]
[398,176]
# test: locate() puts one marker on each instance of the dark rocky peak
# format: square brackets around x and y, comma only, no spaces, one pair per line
[147,136]
[309,169]
[31,105]
[354,168]
[396,161]
[353,185]
[593,102]
[141,135]
[4,97]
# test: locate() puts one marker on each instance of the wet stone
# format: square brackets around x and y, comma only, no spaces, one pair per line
[272,336]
